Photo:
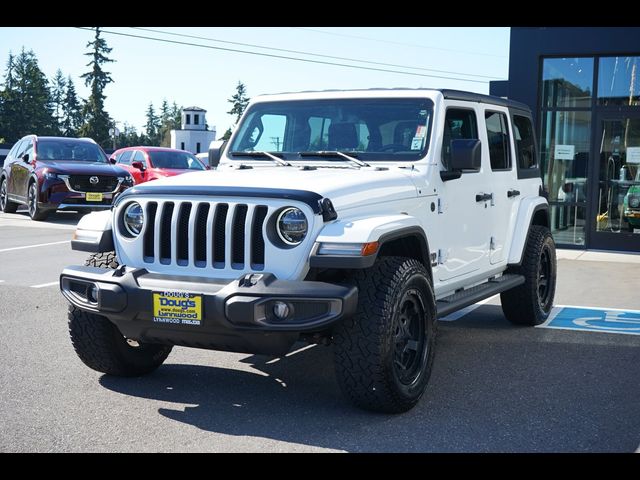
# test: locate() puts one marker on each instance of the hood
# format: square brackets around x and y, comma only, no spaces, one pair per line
[347,188]
[83,168]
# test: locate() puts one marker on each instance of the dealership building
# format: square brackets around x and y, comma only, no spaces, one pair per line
[583,86]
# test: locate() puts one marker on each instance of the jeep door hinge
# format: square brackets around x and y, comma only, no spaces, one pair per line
[442,257]
[440,206]
[492,243]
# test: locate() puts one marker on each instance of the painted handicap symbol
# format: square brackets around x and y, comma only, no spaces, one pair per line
[611,321]
[594,320]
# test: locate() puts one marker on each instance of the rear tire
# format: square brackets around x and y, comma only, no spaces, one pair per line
[101,346]
[531,302]
[6,205]
[384,353]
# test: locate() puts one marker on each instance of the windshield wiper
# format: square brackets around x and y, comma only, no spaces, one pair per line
[334,153]
[259,153]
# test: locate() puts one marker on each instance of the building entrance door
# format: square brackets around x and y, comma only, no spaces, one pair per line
[615,216]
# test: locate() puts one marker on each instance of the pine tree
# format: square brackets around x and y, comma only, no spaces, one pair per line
[239,100]
[152,127]
[58,92]
[26,99]
[166,124]
[97,120]
[72,111]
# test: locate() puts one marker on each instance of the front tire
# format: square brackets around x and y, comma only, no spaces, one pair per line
[35,212]
[531,302]
[6,205]
[101,346]
[384,353]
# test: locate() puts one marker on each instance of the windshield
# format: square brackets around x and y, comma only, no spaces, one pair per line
[70,149]
[370,129]
[177,160]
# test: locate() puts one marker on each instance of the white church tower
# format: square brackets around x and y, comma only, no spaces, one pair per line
[193,135]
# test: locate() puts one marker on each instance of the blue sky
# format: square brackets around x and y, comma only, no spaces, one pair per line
[148,71]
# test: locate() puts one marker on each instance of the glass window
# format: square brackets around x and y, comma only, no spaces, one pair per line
[459,123]
[196,119]
[28,149]
[188,119]
[565,154]
[372,129]
[70,149]
[125,157]
[567,82]
[498,138]
[13,153]
[138,156]
[568,223]
[181,145]
[20,149]
[619,81]
[525,145]
[198,147]
[174,159]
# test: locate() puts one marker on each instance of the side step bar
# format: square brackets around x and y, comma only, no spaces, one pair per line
[472,295]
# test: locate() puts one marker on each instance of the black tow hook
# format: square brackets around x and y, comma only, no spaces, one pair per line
[120,271]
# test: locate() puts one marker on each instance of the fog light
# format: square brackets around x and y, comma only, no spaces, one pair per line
[92,293]
[281,310]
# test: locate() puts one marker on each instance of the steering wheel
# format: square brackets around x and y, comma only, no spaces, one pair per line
[394,147]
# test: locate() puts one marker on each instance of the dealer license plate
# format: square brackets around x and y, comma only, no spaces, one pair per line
[93,197]
[179,308]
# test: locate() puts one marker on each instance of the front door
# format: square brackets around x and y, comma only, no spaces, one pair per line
[615,222]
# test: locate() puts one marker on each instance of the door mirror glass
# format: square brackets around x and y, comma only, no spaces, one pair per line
[112,160]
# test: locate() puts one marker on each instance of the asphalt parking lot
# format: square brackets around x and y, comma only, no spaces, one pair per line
[494,388]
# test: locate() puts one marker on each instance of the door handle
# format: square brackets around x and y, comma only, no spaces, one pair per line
[513,193]
[483,197]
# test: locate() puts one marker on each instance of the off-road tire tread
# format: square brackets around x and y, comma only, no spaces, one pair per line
[520,304]
[359,340]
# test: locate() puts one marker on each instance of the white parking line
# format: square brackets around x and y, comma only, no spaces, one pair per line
[50,284]
[33,246]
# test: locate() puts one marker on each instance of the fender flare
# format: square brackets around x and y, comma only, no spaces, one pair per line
[380,229]
[526,214]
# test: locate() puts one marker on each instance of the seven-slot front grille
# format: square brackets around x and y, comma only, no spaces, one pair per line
[204,234]
[82,183]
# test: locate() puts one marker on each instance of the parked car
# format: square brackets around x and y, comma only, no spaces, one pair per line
[151,163]
[373,214]
[631,206]
[59,173]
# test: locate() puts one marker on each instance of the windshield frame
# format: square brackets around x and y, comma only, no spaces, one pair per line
[390,157]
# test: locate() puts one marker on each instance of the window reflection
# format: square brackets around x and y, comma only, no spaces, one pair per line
[567,82]
[618,82]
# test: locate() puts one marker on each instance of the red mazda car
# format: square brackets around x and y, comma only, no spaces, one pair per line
[151,163]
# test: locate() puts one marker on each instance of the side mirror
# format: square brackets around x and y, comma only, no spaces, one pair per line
[215,153]
[139,165]
[112,160]
[466,154]
[25,158]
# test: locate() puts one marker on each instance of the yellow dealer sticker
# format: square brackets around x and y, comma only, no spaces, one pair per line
[177,307]
[93,197]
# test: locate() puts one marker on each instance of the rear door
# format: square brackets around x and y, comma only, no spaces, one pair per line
[502,180]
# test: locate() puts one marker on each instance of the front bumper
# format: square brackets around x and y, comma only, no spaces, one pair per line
[55,195]
[236,316]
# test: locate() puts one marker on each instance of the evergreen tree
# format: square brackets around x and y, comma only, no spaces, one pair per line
[97,120]
[58,92]
[239,100]
[129,137]
[176,114]
[152,127]
[166,124]
[26,99]
[72,111]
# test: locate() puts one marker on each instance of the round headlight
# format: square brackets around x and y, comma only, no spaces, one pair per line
[292,226]
[133,219]
[634,201]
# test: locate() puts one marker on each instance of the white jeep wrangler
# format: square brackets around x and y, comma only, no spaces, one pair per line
[349,218]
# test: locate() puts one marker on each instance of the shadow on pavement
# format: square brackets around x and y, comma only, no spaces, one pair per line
[55,218]
[494,388]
